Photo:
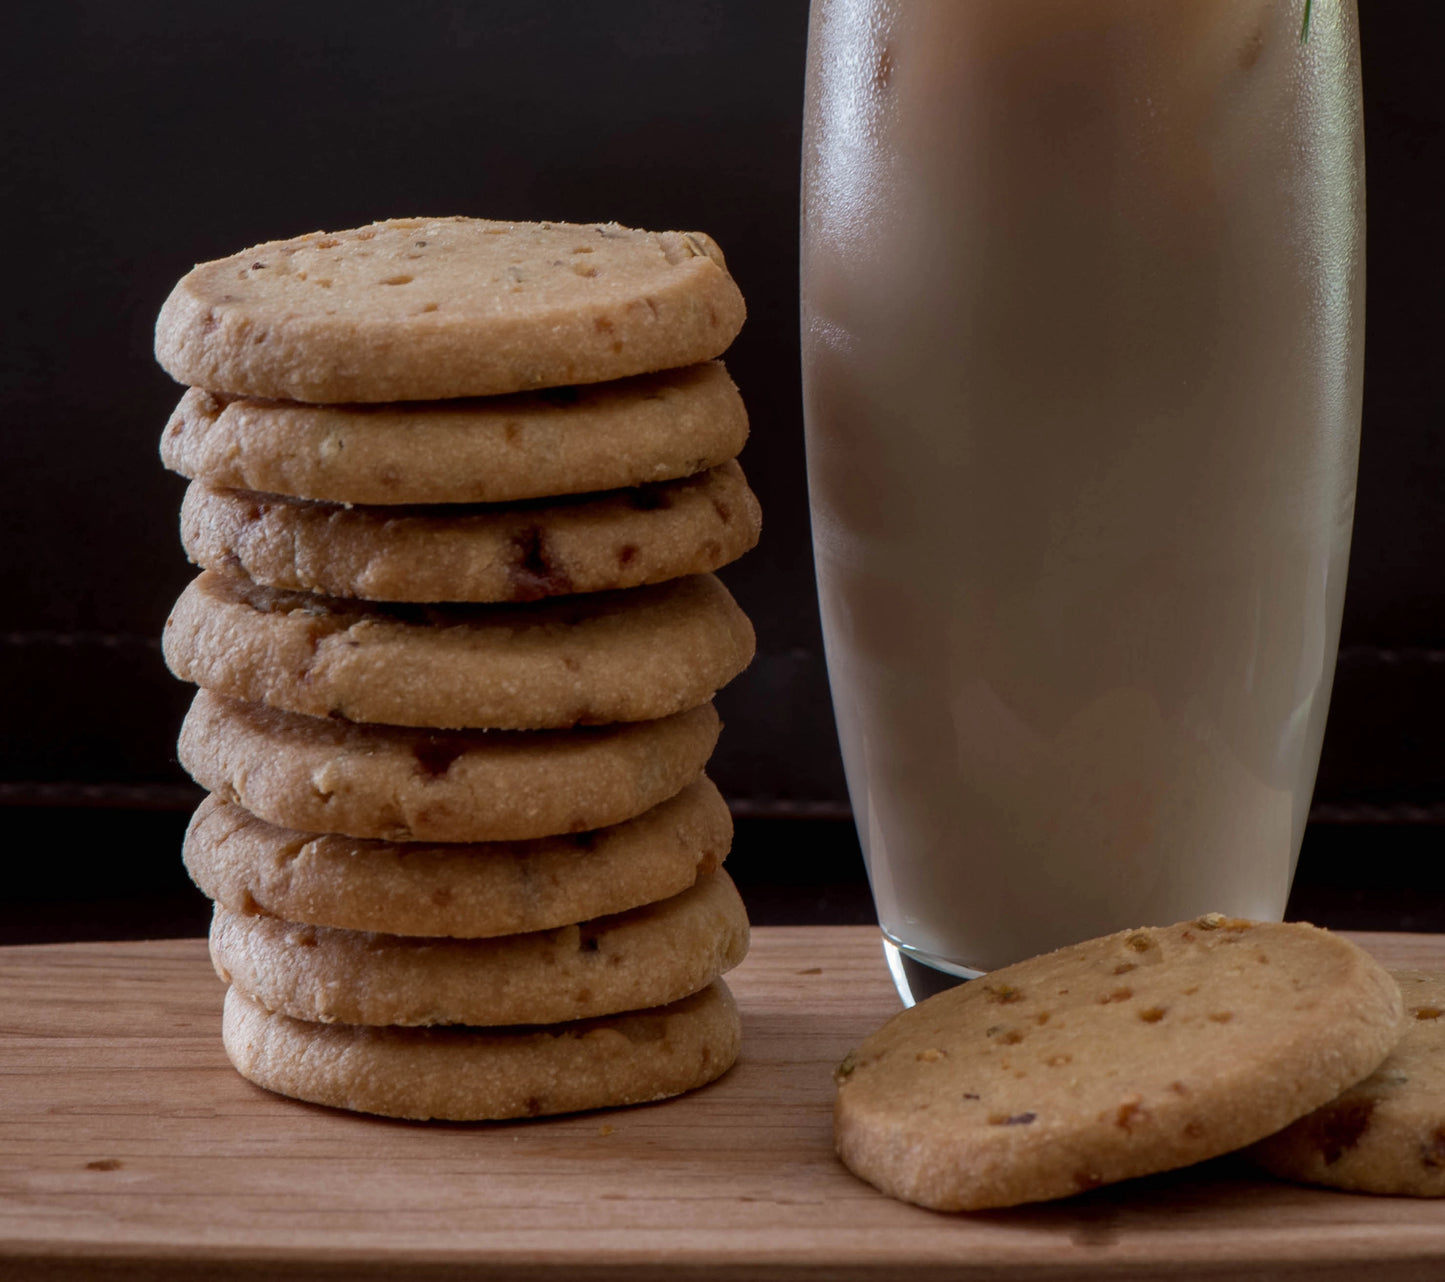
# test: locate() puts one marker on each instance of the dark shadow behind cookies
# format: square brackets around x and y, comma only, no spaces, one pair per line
[143,139]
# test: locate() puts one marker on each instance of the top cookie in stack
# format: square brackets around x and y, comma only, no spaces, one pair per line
[458,487]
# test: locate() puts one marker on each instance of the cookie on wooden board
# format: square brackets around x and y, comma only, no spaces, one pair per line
[647,956]
[1385,1134]
[609,656]
[571,440]
[321,774]
[431,308]
[1138,1052]
[457,889]
[516,552]
[463,1074]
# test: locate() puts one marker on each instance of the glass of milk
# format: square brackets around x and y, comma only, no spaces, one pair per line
[1083,303]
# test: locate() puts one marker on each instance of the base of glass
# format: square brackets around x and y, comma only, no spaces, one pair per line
[918,976]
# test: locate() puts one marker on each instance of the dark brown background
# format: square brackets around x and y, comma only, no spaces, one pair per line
[140,138]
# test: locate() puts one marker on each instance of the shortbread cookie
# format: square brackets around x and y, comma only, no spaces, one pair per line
[319,774]
[1385,1134]
[479,1074]
[571,440]
[614,656]
[513,553]
[468,891]
[424,309]
[645,957]
[1138,1052]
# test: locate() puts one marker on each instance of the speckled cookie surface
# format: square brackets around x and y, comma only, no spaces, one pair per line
[645,957]
[511,553]
[457,889]
[1139,1052]
[320,774]
[614,656]
[573,440]
[423,309]
[1385,1134]
[477,1074]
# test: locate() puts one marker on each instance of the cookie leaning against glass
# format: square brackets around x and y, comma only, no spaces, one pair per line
[1138,1052]
[457,490]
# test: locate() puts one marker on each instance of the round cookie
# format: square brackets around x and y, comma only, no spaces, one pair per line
[320,774]
[514,553]
[610,656]
[459,890]
[425,309]
[1139,1052]
[469,1074]
[573,440]
[647,956]
[1385,1134]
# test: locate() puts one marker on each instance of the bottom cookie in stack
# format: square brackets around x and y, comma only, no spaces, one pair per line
[458,1073]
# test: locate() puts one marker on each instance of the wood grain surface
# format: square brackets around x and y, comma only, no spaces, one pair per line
[130,1149]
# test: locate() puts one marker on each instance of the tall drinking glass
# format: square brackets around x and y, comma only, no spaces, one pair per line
[1083,288]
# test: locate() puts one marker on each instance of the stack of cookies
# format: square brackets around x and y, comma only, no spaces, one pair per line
[457,491]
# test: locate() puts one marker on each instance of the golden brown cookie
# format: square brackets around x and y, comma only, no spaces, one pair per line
[1385,1134]
[1139,1052]
[511,553]
[465,1074]
[570,440]
[319,774]
[647,956]
[614,656]
[425,309]
[462,890]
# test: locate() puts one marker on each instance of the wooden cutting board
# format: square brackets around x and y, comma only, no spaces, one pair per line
[130,1149]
